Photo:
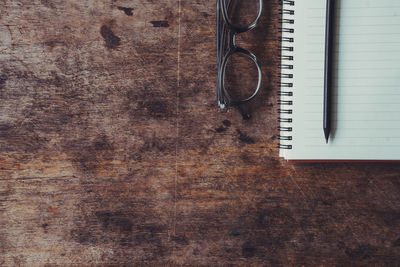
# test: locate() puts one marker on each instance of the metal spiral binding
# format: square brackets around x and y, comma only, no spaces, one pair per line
[287,45]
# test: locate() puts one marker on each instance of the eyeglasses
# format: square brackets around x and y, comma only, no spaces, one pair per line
[235,17]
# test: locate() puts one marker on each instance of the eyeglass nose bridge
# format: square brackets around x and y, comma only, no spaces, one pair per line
[232,40]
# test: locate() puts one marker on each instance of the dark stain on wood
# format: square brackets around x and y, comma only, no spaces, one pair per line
[220,129]
[88,153]
[247,158]
[246,115]
[114,221]
[48,3]
[361,252]
[112,41]
[53,43]
[205,14]
[3,79]
[160,23]
[226,123]
[326,197]
[389,217]
[21,137]
[45,227]
[126,10]
[83,236]
[149,104]
[151,145]
[123,229]
[4,245]
[181,240]
[244,138]
[248,250]
[157,108]
[225,126]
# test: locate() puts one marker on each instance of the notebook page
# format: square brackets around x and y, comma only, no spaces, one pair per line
[366,103]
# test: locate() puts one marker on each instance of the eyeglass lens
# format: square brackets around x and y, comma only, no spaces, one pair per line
[242,13]
[241,76]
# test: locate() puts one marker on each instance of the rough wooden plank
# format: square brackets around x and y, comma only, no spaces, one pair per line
[112,150]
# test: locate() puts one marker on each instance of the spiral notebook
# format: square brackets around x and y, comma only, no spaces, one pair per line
[366,103]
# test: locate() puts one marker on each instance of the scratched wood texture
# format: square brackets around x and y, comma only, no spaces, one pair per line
[113,153]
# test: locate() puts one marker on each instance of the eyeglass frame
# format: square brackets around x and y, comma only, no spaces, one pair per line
[223,96]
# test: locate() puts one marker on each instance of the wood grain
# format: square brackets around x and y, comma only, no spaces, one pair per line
[112,150]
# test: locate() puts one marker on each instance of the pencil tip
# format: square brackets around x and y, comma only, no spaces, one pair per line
[326,132]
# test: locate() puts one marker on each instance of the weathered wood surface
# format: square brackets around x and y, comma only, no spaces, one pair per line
[112,150]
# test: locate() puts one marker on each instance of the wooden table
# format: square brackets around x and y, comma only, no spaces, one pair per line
[112,150]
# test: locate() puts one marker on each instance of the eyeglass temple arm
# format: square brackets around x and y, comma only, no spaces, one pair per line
[221,38]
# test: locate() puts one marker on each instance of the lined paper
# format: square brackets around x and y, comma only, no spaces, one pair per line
[366,108]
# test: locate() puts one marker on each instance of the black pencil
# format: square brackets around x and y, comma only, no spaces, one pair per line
[329,43]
